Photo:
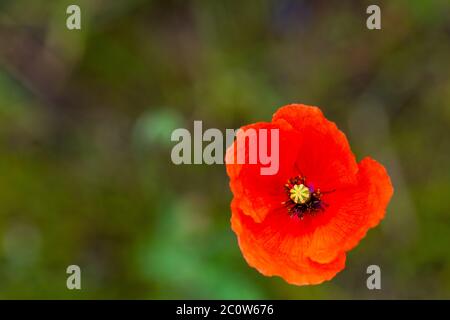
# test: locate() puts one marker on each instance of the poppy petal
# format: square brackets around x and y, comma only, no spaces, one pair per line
[351,213]
[325,156]
[259,194]
[274,252]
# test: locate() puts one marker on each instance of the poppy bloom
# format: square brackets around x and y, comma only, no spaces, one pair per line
[300,222]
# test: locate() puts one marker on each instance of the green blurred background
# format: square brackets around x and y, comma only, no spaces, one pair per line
[86,118]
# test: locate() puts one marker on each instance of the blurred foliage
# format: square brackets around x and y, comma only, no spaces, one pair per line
[86,118]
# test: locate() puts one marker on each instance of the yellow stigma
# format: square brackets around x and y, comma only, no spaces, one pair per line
[299,194]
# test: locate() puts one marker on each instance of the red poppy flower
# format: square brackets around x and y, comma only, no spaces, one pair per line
[299,223]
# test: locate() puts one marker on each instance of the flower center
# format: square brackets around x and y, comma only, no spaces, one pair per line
[302,197]
[300,193]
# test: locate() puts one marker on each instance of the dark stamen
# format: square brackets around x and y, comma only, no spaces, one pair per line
[300,201]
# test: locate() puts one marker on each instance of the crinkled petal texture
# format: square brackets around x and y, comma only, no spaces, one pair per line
[313,249]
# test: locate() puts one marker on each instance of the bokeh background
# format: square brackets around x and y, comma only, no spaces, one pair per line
[86,118]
